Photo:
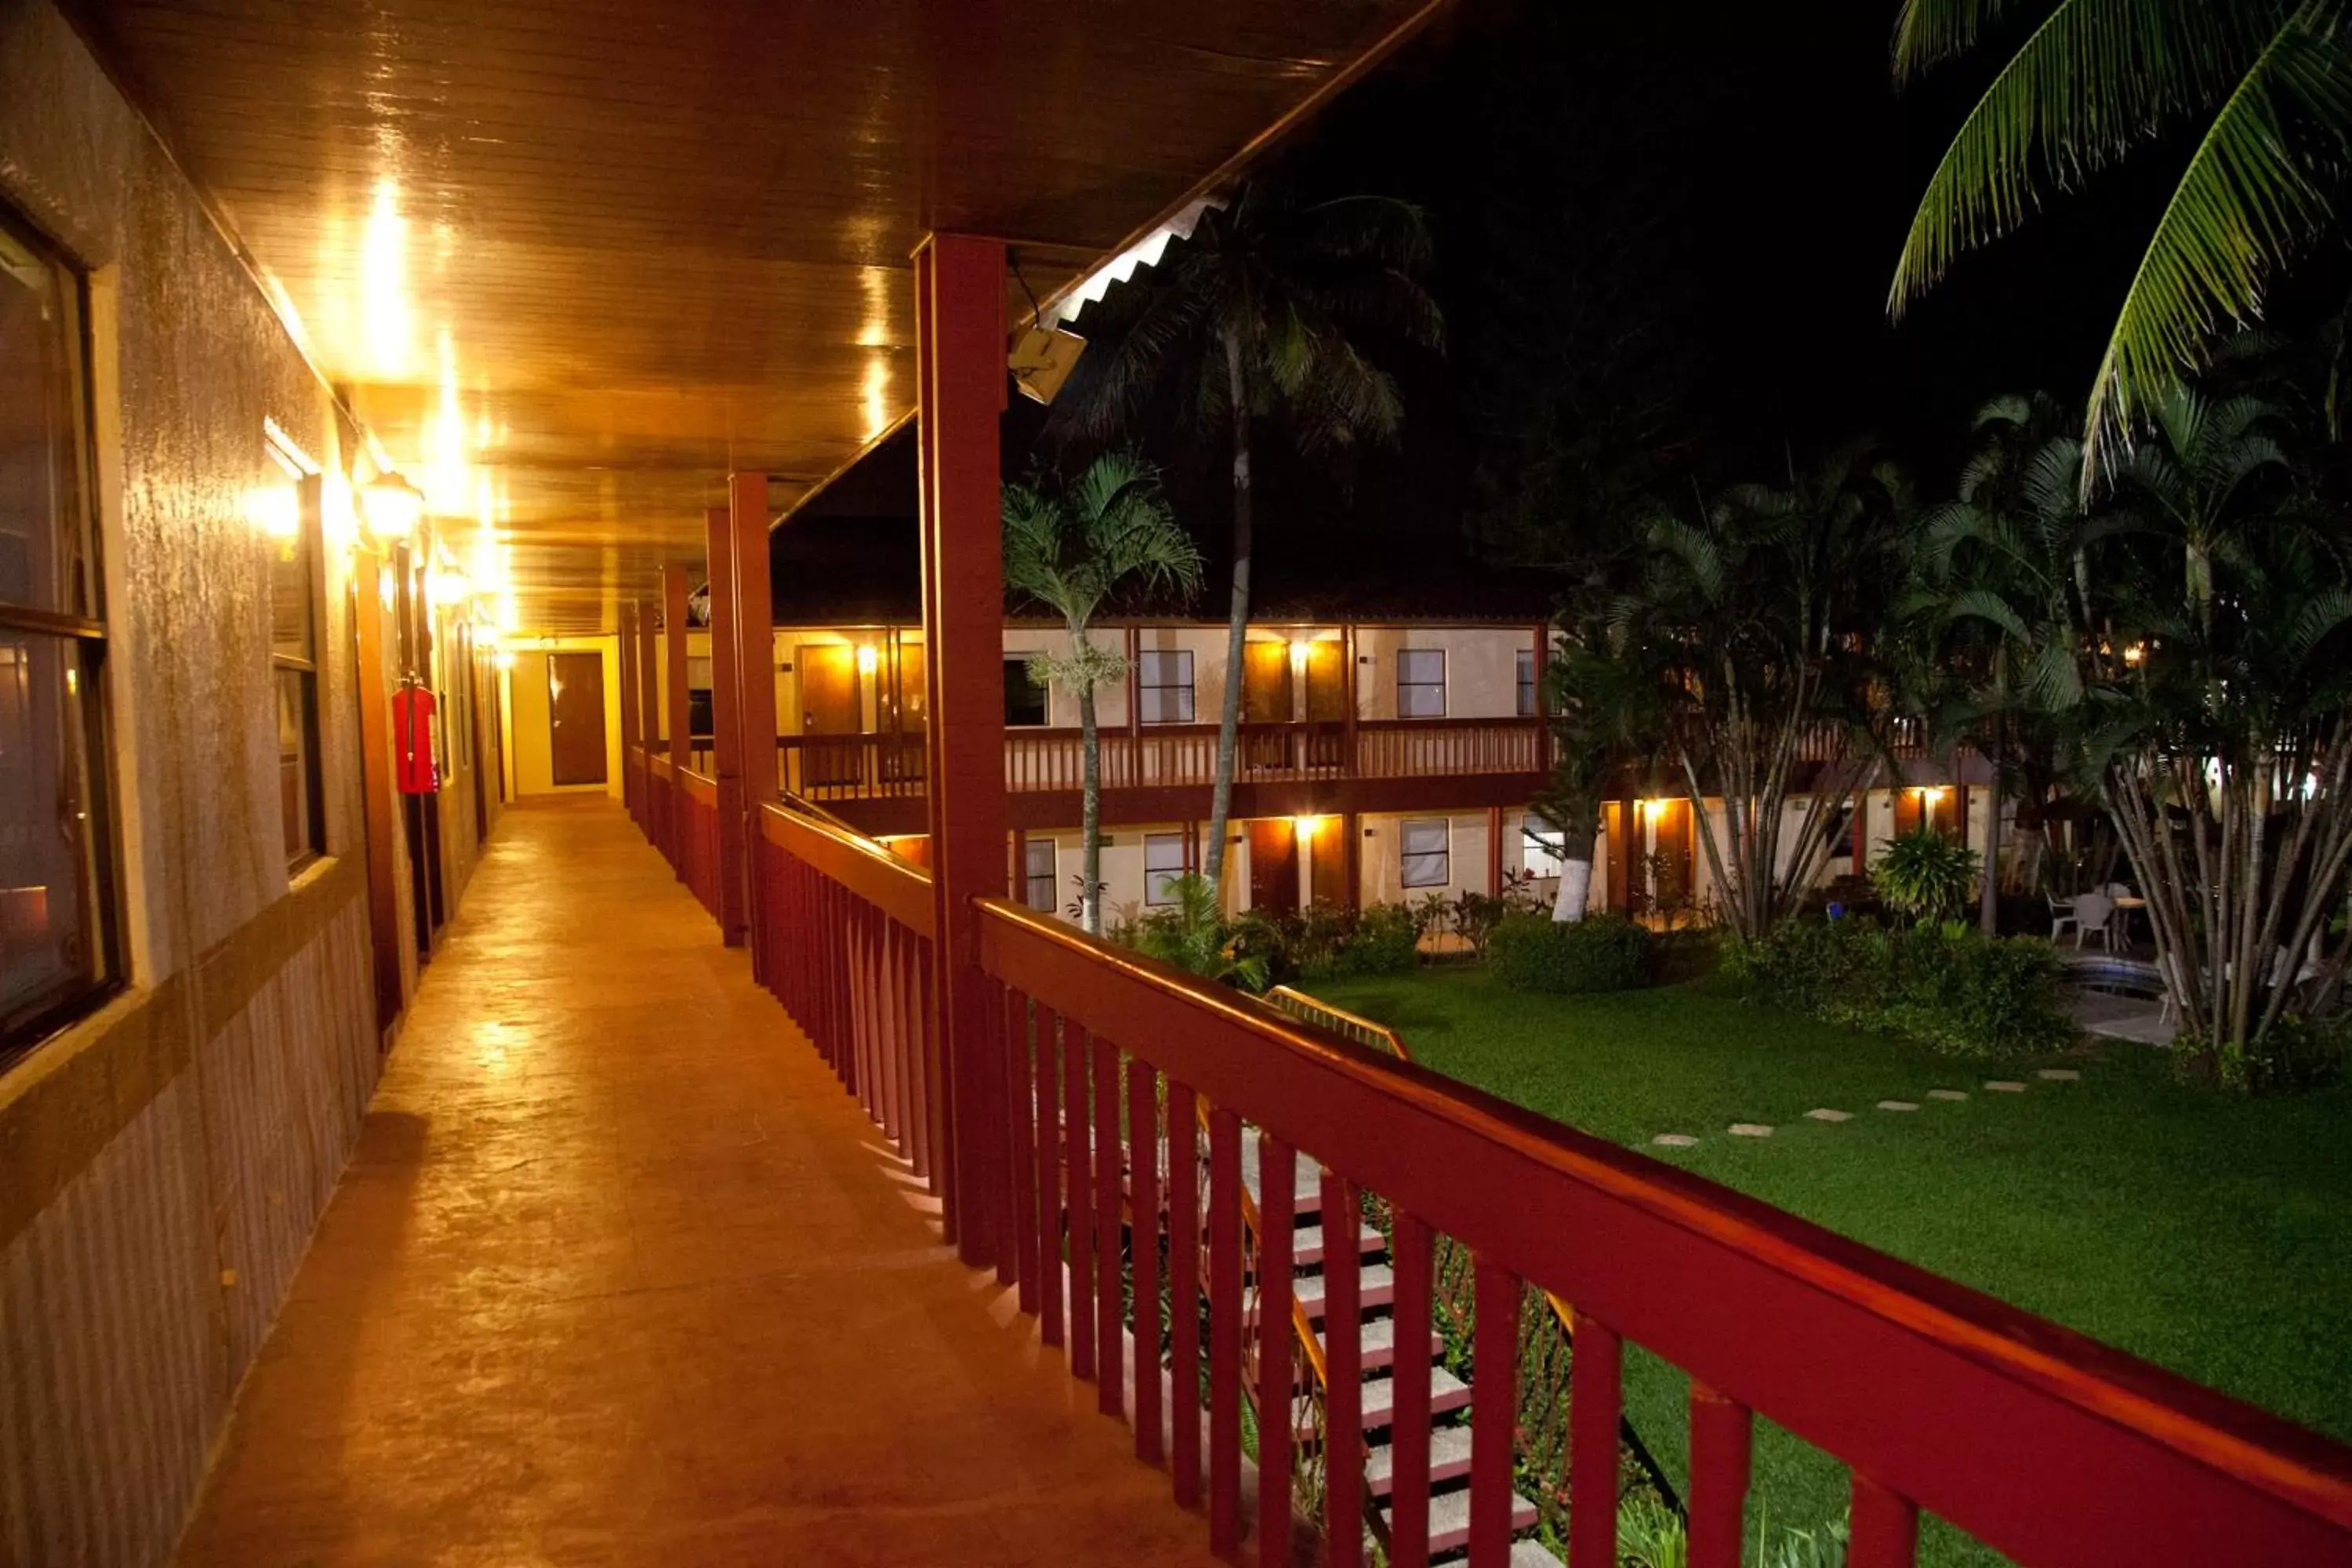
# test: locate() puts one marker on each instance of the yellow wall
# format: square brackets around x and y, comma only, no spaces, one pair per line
[530,758]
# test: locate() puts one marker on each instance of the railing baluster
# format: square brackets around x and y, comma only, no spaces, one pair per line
[1278,1183]
[1343,1360]
[1595,1403]
[1494,1414]
[1013,1010]
[1225,1330]
[1074,1130]
[1143,1205]
[1111,1360]
[1184,1294]
[1049,1177]
[1010,1129]
[1885,1527]
[937,1141]
[1721,1433]
[1409,1381]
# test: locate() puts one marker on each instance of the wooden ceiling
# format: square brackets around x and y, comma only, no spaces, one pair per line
[572,262]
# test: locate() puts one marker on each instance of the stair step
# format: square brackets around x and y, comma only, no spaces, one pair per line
[1375,1287]
[1449,1459]
[1307,1246]
[1377,1338]
[1307,1190]
[1449,1521]
[1446,1392]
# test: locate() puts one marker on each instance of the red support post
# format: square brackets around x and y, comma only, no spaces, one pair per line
[959,332]
[681,723]
[726,740]
[632,791]
[1494,851]
[1543,726]
[649,710]
[755,693]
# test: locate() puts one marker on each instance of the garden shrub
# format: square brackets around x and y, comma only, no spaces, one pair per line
[1925,876]
[2292,1055]
[1385,941]
[1943,985]
[1600,952]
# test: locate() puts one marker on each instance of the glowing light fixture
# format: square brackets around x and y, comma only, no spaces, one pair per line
[392,506]
[447,585]
[506,659]
[868,656]
[1306,826]
[274,509]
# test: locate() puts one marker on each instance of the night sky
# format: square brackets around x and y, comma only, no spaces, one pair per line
[1731,182]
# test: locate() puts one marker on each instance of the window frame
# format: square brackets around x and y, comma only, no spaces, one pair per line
[1405,655]
[307,544]
[1547,840]
[82,634]
[1155,893]
[1189,686]
[1043,689]
[1406,854]
[1051,876]
[1526,704]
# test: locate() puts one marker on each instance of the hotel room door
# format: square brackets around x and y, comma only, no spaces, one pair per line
[1274,865]
[576,718]
[1265,699]
[1326,707]
[830,707]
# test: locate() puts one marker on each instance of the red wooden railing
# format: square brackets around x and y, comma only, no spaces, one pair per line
[2046,1445]
[696,800]
[661,807]
[871,767]
[846,948]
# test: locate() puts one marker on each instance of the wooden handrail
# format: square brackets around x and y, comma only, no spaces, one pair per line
[2042,1442]
[701,786]
[898,889]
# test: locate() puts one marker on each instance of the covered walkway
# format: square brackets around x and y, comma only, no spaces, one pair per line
[619,1274]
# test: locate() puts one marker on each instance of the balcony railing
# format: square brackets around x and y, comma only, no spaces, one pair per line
[872,767]
[1074,1116]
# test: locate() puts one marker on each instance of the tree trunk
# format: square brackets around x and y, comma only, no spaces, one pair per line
[1229,718]
[1575,874]
[1090,811]
[1988,896]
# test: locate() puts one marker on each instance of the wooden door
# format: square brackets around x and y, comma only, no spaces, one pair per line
[908,719]
[1327,854]
[830,709]
[576,718]
[1669,849]
[1327,709]
[1265,699]
[1274,865]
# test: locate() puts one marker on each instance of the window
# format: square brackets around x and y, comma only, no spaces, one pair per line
[1425,853]
[57,952]
[1163,686]
[1163,860]
[1025,697]
[1541,849]
[1421,683]
[1526,683]
[1037,874]
[291,520]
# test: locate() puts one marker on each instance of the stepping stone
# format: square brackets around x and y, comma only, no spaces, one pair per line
[1898,1105]
[2059,1075]
[1748,1130]
[1824,1113]
[2004,1086]
[1947,1094]
[1674,1140]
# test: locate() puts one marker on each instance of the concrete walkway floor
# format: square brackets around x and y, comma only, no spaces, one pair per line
[620,1275]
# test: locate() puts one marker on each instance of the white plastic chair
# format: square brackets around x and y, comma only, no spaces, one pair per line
[2093,915]
[2061,915]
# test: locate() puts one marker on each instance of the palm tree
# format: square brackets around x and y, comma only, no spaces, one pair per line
[2269,82]
[2000,576]
[1075,551]
[1754,621]
[1604,721]
[1264,312]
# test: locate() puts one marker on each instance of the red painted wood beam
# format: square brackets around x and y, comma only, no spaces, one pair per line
[681,723]
[755,693]
[726,739]
[960,335]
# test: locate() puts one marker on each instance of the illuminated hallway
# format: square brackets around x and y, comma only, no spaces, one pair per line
[618,1274]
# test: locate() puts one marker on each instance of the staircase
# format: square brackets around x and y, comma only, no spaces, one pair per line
[1384,1361]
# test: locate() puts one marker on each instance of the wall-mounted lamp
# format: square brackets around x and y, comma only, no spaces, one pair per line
[868,656]
[506,660]
[392,506]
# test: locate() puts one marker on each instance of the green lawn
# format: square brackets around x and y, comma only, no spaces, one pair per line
[2210,1235]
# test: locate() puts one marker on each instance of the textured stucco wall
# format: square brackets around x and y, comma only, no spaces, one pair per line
[167,1159]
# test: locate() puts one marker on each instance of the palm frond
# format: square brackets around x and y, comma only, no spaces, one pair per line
[2096,78]
[1929,32]
[2247,200]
